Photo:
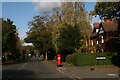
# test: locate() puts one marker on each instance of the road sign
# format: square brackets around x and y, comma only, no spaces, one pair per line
[100,58]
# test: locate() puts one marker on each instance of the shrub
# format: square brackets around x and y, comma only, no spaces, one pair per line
[89,59]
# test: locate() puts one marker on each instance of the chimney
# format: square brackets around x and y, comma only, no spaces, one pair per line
[106,19]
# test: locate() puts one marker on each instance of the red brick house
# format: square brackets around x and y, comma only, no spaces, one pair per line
[103,33]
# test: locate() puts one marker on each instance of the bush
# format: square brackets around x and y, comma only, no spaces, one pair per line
[70,59]
[89,59]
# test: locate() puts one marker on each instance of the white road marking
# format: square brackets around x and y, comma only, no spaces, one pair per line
[21,67]
[76,76]
[64,74]
[61,68]
[60,71]
[73,77]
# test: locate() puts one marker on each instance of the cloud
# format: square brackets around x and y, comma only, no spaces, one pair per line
[46,6]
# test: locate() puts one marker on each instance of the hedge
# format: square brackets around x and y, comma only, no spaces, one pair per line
[89,59]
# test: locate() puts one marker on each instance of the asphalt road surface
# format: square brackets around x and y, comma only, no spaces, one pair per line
[35,69]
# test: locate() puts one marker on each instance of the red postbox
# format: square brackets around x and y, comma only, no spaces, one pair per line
[58,59]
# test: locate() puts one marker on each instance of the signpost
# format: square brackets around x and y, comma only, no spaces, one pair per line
[100,58]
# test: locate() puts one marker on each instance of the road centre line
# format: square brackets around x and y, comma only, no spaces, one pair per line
[21,67]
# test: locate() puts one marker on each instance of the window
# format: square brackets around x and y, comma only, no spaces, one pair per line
[97,30]
[97,42]
[101,30]
[92,42]
[102,39]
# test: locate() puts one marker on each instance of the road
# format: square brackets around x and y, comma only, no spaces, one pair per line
[32,70]
[35,69]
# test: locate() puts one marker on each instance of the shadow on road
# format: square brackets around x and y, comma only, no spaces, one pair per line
[11,74]
[24,75]
[27,75]
[20,61]
[14,62]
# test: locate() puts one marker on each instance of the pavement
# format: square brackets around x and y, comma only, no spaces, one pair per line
[90,72]
[35,69]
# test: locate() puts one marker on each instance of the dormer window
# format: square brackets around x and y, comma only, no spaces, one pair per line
[101,30]
[97,30]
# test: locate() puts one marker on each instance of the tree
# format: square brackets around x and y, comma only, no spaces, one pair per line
[30,50]
[106,9]
[71,14]
[62,28]
[67,40]
[10,39]
[39,34]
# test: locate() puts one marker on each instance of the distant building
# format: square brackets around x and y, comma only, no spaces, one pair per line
[103,33]
[27,44]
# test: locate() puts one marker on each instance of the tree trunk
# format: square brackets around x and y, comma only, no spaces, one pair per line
[46,56]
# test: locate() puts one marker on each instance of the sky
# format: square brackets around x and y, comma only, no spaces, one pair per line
[20,13]
[23,12]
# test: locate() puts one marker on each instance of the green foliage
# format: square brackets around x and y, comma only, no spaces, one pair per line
[68,28]
[30,49]
[11,45]
[89,59]
[60,29]
[39,34]
[106,8]
[68,39]
[8,31]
